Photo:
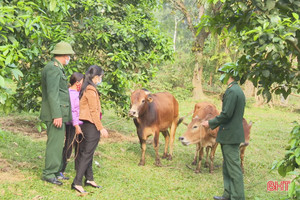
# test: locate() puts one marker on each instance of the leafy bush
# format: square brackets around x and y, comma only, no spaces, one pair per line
[120,36]
[291,162]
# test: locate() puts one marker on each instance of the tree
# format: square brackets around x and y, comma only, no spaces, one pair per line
[192,16]
[267,33]
[120,36]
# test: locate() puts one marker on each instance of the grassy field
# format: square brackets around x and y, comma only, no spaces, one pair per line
[22,160]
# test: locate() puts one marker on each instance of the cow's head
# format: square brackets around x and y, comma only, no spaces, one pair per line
[194,133]
[139,100]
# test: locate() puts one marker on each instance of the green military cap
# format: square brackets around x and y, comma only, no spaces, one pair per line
[62,48]
[227,70]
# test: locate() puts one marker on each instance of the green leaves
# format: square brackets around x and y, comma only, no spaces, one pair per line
[52,5]
[268,33]
[121,37]
[291,161]
[17,73]
[2,82]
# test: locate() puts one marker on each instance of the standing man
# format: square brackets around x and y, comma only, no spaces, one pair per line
[56,110]
[231,133]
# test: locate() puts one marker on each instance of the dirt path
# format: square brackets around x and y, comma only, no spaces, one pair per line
[27,126]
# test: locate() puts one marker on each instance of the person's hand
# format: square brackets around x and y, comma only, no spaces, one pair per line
[77,130]
[57,122]
[205,124]
[104,133]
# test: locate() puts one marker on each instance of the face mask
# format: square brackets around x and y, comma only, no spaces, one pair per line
[67,61]
[99,83]
[78,87]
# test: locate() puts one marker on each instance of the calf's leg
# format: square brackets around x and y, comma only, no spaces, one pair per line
[196,154]
[198,169]
[206,159]
[212,156]
[242,155]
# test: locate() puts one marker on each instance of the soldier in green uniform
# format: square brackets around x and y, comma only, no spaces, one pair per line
[56,109]
[231,133]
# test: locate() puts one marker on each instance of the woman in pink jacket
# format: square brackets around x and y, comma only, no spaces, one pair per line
[72,127]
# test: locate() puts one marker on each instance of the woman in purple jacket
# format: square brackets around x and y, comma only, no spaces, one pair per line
[72,127]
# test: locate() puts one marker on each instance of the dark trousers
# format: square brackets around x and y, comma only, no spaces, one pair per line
[70,143]
[86,152]
[232,172]
[54,148]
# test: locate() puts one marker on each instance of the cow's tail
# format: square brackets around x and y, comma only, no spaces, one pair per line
[180,120]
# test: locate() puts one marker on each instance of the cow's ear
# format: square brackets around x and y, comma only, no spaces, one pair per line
[150,99]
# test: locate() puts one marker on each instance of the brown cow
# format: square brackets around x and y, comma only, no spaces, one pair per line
[206,137]
[154,113]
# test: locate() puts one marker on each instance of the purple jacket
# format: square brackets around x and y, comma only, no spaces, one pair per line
[74,98]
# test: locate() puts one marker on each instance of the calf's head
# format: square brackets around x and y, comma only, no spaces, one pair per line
[194,133]
[139,100]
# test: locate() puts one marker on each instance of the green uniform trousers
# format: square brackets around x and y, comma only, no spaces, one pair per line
[54,149]
[232,172]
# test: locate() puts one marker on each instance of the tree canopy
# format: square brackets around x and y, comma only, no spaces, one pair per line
[267,34]
[120,36]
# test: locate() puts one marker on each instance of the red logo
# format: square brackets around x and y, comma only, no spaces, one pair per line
[275,186]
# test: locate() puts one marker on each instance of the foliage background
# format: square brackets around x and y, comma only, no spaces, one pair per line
[120,36]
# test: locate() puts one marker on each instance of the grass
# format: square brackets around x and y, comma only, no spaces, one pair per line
[22,161]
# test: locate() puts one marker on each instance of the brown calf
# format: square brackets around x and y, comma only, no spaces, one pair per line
[202,137]
[206,138]
[154,113]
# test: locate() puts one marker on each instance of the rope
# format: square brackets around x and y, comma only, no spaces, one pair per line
[75,138]
[113,122]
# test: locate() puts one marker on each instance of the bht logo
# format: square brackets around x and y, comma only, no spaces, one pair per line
[274,185]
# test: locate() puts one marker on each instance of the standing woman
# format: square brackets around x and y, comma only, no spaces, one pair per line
[90,110]
[72,127]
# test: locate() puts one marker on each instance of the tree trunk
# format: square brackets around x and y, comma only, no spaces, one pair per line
[175,33]
[210,79]
[197,77]
[249,89]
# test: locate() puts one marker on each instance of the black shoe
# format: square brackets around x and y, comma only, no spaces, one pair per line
[220,198]
[73,187]
[87,183]
[53,181]
[62,177]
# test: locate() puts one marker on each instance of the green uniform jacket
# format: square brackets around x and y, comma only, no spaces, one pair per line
[230,119]
[55,93]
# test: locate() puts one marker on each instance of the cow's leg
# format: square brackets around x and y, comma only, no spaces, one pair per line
[143,149]
[206,159]
[196,154]
[242,155]
[167,140]
[172,137]
[140,134]
[198,169]
[156,147]
[212,157]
